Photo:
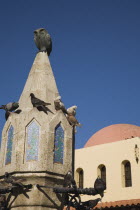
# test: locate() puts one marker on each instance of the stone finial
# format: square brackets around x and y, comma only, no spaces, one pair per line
[43,40]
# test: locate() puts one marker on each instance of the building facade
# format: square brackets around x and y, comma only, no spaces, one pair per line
[112,154]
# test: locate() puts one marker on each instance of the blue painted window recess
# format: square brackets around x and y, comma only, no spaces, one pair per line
[9,145]
[59,144]
[32,145]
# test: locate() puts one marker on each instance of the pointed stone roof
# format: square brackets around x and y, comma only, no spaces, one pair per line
[37,145]
[41,82]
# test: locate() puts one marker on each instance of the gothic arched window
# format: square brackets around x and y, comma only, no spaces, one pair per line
[32,144]
[59,144]
[102,172]
[9,145]
[127,179]
[80,178]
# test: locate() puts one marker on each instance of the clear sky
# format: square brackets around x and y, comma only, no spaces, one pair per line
[95,56]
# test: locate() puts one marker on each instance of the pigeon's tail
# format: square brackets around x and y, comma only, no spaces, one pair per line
[17,111]
[44,109]
[7,114]
[45,104]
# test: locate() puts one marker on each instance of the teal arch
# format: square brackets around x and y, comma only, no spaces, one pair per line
[32,145]
[9,145]
[59,144]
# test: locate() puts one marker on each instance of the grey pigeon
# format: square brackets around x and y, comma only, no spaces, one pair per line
[10,106]
[100,186]
[69,180]
[59,105]
[39,104]
[43,40]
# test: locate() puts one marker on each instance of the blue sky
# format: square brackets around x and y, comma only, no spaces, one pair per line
[95,56]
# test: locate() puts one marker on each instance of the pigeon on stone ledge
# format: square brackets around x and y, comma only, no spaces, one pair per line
[72,110]
[10,106]
[59,105]
[100,186]
[73,121]
[69,180]
[39,104]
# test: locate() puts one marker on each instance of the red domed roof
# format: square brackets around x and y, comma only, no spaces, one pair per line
[114,133]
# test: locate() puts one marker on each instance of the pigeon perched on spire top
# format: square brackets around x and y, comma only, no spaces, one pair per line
[43,40]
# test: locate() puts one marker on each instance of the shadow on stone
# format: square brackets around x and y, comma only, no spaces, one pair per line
[54,204]
[15,193]
[44,109]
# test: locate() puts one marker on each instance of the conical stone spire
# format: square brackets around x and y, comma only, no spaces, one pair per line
[36,145]
[41,82]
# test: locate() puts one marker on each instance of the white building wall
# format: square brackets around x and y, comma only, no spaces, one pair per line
[111,155]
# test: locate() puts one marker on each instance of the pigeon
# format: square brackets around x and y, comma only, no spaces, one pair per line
[14,181]
[10,106]
[59,105]
[39,104]
[73,121]
[72,110]
[69,181]
[71,117]
[100,186]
